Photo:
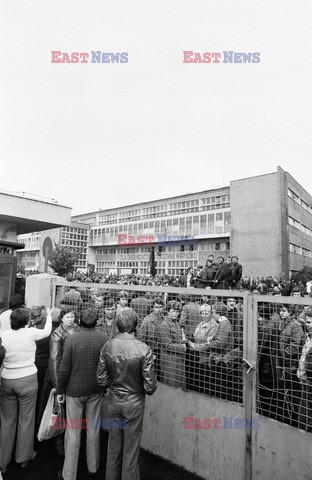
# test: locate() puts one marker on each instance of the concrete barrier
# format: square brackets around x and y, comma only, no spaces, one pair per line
[212,453]
[40,289]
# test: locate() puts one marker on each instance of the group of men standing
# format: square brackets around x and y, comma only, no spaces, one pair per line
[90,365]
[221,274]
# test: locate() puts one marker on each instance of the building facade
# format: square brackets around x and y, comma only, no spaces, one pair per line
[266,220]
[75,235]
[271,224]
[20,215]
[184,230]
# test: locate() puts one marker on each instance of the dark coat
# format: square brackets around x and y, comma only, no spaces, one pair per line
[172,353]
[222,277]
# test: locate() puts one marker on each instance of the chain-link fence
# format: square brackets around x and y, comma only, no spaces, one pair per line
[196,336]
[285,361]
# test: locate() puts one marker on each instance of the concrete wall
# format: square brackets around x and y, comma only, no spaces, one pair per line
[296,236]
[280,452]
[212,454]
[33,211]
[256,224]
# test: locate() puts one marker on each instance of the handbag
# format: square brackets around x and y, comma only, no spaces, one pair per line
[52,422]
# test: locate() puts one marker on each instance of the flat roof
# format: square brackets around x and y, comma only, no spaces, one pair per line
[30,215]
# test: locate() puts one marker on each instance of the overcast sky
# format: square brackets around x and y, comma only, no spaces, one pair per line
[102,135]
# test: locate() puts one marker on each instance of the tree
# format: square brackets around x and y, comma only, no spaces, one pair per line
[303,275]
[63,259]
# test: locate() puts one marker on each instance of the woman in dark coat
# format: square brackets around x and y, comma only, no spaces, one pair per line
[172,347]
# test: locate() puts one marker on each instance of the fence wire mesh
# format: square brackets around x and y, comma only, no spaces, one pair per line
[285,361]
[196,339]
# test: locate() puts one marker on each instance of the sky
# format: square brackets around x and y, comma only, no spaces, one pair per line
[103,135]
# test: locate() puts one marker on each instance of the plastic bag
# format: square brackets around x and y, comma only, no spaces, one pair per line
[52,422]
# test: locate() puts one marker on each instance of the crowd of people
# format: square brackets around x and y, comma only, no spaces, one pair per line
[71,347]
[217,273]
[96,340]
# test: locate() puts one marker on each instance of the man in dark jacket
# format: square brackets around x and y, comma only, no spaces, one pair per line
[236,275]
[126,367]
[77,377]
[222,277]
[142,306]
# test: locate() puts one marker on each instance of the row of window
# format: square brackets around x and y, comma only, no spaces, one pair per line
[195,225]
[299,200]
[73,243]
[223,246]
[88,221]
[300,250]
[178,267]
[294,223]
[75,230]
[157,209]
[108,218]
[70,236]
[160,211]
[28,254]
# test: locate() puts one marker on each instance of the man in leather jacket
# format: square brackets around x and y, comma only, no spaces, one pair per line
[126,367]
[57,343]
[58,339]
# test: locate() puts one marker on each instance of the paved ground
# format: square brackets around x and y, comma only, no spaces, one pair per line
[47,463]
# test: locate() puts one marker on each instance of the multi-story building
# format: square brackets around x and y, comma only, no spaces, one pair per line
[75,236]
[266,220]
[271,224]
[184,229]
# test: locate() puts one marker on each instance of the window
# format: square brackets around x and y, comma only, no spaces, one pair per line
[196,225]
[227,218]
[210,223]
[293,195]
[203,223]
[294,248]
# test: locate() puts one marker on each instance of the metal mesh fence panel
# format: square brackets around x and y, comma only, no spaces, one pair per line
[285,360]
[196,336]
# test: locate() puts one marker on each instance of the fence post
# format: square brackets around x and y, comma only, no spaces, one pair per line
[249,375]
